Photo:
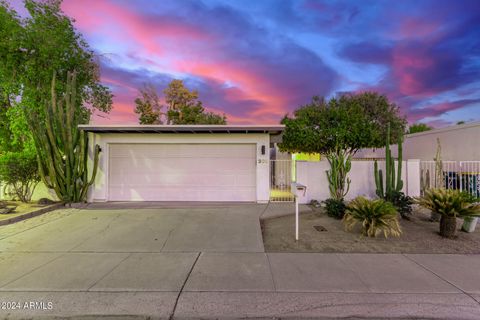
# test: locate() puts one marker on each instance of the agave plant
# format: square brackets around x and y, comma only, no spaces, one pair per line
[375,216]
[450,204]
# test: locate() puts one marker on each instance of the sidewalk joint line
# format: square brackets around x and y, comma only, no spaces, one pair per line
[438,276]
[183,286]
[33,270]
[271,272]
[109,272]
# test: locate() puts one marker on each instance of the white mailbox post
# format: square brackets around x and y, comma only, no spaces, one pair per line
[297,189]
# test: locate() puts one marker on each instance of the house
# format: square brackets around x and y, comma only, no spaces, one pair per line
[182,162]
[458,143]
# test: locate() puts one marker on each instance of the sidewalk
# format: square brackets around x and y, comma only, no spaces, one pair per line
[208,263]
[238,285]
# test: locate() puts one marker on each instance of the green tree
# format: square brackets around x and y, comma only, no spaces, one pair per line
[31,50]
[337,129]
[148,106]
[418,127]
[183,106]
[383,114]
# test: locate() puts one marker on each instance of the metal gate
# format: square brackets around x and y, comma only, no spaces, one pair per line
[458,175]
[280,180]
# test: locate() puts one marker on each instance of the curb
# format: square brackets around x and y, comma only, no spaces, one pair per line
[31,214]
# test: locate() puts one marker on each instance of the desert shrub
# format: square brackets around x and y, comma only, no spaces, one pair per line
[402,202]
[335,208]
[450,204]
[19,172]
[375,216]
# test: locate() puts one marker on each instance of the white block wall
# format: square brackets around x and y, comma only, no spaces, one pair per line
[313,175]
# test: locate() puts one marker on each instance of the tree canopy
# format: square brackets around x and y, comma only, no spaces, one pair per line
[182,106]
[147,105]
[32,49]
[418,127]
[344,124]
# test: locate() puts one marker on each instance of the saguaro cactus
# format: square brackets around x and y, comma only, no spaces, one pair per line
[62,148]
[393,183]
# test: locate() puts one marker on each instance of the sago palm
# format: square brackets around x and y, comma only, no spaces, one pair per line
[375,216]
[452,203]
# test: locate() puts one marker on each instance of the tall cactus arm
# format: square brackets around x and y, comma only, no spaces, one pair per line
[392,175]
[88,184]
[399,186]
[378,179]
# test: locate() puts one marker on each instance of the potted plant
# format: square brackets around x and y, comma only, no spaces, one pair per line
[469,223]
[450,204]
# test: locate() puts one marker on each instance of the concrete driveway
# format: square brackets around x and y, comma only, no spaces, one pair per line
[179,261]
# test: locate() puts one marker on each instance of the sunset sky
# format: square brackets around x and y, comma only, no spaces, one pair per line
[257,60]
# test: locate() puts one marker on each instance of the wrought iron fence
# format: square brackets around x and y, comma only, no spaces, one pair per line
[280,180]
[457,175]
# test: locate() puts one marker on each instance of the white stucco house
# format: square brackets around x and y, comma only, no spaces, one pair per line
[458,143]
[182,162]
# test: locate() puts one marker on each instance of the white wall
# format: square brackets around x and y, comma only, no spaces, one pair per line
[313,175]
[459,143]
[99,190]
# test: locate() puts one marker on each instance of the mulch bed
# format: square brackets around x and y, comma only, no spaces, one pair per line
[320,233]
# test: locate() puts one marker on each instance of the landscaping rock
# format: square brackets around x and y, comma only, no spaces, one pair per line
[7,209]
[45,201]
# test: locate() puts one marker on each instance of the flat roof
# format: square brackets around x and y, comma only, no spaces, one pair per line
[445,129]
[140,128]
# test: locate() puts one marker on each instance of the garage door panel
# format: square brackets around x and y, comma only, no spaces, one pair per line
[182,151]
[156,180]
[165,165]
[182,193]
[182,172]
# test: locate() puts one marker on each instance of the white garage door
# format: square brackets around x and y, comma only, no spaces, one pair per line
[182,172]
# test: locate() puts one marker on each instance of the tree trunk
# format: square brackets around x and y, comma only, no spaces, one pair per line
[448,226]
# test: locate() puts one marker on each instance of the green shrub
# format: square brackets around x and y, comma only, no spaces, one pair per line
[19,172]
[402,202]
[375,216]
[335,208]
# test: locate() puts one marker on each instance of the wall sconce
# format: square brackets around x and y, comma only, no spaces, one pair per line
[263,150]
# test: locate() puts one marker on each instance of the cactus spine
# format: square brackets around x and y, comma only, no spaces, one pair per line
[393,182]
[62,149]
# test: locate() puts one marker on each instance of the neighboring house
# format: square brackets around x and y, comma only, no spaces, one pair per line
[458,143]
[182,163]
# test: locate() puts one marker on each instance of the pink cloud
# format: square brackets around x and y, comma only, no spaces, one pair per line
[126,25]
